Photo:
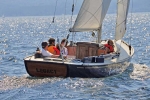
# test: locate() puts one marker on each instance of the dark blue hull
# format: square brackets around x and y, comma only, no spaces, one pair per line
[54,69]
[97,71]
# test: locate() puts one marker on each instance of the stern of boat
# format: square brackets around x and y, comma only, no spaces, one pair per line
[44,68]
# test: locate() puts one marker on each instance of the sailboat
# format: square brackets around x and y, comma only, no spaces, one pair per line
[87,59]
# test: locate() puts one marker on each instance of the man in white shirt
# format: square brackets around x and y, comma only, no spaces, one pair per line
[45,52]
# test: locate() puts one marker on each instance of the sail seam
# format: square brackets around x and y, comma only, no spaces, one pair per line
[92,15]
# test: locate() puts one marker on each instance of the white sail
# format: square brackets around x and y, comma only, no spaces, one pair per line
[91,15]
[122,13]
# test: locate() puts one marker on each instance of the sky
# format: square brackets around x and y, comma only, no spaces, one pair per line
[47,7]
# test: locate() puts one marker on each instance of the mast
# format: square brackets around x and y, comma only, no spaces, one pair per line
[99,33]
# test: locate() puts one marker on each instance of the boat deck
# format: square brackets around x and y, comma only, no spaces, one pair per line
[108,59]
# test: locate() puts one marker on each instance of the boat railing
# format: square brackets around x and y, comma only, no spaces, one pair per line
[52,59]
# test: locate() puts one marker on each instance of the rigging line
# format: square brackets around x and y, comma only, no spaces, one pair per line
[73,38]
[73,33]
[71,17]
[64,20]
[50,23]
[72,12]
[53,21]
[73,7]
[43,34]
[54,11]
[61,55]
[65,14]
[71,20]
[65,9]
[131,20]
[75,2]
[49,27]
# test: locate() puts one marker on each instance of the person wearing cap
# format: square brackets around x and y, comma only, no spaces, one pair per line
[45,52]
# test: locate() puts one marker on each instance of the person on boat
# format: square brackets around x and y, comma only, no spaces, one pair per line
[45,51]
[64,50]
[109,46]
[51,47]
[57,49]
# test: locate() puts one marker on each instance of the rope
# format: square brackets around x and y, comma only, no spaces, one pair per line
[64,22]
[53,20]
[131,21]
[72,13]
[71,21]
[131,27]
[43,35]
[61,55]
[54,12]
[65,9]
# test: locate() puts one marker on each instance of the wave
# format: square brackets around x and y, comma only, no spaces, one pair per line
[8,83]
[140,72]
[137,72]
[15,82]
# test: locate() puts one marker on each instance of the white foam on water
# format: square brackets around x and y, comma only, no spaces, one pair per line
[140,72]
[82,83]
[7,82]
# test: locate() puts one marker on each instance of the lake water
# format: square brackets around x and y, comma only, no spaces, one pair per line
[19,37]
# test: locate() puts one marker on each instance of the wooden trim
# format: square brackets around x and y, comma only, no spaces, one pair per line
[46,69]
[71,50]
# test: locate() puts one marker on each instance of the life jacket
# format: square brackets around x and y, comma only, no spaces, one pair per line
[51,49]
[110,48]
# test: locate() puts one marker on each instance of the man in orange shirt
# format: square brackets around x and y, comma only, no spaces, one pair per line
[51,45]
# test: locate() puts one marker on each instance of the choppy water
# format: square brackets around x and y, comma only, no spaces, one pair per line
[20,36]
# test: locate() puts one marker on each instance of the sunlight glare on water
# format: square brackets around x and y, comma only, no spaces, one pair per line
[8,83]
[20,36]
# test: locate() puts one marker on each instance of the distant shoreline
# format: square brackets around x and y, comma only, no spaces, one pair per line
[3,16]
[16,8]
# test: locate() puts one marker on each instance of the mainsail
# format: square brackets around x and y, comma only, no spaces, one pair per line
[122,13]
[91,15]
